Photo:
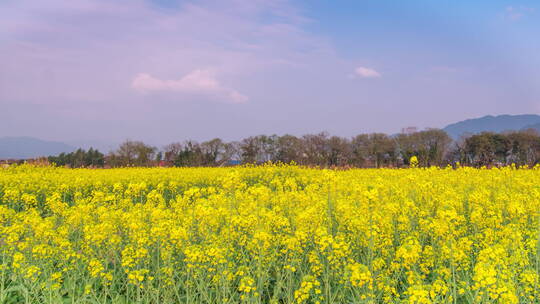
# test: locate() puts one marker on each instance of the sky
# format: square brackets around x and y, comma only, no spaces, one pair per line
[102,71]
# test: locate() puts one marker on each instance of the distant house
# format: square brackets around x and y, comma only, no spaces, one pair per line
[409,130]
[40,161]
[165,163]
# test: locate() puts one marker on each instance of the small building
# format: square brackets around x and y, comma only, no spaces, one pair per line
[409,130]
[234,162]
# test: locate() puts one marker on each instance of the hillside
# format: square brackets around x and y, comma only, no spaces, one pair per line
[534,126]
[28,147]
[493,124]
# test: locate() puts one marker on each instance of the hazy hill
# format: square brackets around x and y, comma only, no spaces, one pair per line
[535,126]
[28,147]
[493,123]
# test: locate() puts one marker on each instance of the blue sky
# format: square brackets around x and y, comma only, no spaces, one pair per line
[165,70]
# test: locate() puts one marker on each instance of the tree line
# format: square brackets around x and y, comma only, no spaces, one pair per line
[79,159]
[432,147]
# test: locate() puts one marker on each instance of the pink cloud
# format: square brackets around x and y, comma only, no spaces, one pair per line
[89,50]
[367,72]
[198,82]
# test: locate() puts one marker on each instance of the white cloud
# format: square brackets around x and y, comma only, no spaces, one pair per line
[367,72]
[198,82]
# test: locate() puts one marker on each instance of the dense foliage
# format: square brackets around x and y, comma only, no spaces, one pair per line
[79,159]
[269,235]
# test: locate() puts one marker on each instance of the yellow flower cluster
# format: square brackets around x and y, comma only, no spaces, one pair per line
[269,234]
[360,275]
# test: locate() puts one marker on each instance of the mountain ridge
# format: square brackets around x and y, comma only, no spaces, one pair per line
[23,147]
[534,126]
[490,123]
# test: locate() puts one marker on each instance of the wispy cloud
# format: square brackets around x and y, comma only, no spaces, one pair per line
[90,50]
[515,13]
[444,69]
[365,72]
[198,82]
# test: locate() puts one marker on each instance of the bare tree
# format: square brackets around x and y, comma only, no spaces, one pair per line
[133,153]
[288,149]
[315,149]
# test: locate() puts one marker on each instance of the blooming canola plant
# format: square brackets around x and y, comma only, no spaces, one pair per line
[269,234]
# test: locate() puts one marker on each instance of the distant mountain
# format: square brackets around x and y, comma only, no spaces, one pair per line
[28,147]
[492,124]
[535,126]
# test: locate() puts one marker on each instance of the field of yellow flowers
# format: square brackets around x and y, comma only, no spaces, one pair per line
[270,234]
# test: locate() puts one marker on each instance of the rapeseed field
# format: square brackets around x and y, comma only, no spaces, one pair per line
[269,234]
